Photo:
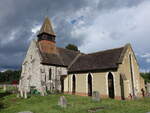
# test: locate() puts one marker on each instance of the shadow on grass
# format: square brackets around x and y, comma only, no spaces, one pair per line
[3,94]
[1,105]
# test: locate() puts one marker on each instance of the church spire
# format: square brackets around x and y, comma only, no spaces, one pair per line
[46,38]
[47,28]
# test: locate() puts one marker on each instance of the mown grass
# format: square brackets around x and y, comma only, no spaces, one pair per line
[76,104]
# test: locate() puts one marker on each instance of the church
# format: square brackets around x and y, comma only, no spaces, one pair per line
[114,73]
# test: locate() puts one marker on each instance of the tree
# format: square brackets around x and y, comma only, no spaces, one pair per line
[10,76]
[146,77]
[72,47]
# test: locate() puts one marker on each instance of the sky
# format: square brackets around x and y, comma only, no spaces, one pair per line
[92,25]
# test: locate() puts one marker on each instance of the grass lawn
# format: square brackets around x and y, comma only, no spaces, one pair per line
[76,104]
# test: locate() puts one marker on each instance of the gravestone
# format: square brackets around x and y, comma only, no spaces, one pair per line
[148,88]
[25,112]
[21,93]
[95,96]
[18,95]
[62,102]
[4,87]
[25,94]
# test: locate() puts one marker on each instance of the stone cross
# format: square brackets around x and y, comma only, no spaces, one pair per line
[62,102]
[95,96]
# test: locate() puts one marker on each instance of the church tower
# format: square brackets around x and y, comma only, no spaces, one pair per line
[46,38]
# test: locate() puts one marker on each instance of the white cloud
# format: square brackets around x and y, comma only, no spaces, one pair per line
[148,60]
[146,55]
[145,70]
[116,28]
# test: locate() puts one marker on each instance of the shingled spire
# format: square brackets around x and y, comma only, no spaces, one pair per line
[47,27]
[46,38]
[46,32]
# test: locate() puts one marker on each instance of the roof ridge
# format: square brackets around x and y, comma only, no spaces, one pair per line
[74,60]
[69,50]
[105,50]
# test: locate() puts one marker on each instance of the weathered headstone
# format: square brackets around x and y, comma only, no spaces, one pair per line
[18,95]
[25,112]
[148,88]
[62,102]
[95,96]
[25,94]
[21,94]
[4,87]
[43,91]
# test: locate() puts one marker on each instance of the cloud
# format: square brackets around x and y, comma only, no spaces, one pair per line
[92,25]
[115,28]
[146,55]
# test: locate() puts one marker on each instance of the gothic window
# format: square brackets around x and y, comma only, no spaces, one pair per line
[50,74]
[111,85]
[73,84]
[89,85]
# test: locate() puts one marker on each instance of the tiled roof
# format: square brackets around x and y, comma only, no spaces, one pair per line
[108,59]
[64,57]
[78,62]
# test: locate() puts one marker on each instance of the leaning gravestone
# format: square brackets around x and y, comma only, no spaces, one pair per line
[95,96]
[25,112]
[62,102]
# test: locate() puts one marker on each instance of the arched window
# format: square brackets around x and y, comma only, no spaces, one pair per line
[111,85]
[89,85]
[50,74]
[73,84]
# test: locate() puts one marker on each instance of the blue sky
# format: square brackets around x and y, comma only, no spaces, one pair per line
[92,25]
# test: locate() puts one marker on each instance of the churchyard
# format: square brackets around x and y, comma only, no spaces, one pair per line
[10,103]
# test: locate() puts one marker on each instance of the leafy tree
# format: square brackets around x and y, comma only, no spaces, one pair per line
[146,77]
[72,47]
[10,76]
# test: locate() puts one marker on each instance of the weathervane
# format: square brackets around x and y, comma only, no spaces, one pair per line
[47,10]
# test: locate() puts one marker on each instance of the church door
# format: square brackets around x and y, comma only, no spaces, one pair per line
[89,85]
[122,87]
[73,84]
[111,85]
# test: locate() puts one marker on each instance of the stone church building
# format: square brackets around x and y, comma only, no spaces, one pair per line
[114,73]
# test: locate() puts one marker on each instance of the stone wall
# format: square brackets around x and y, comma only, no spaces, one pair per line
[100,80]
[34,74]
